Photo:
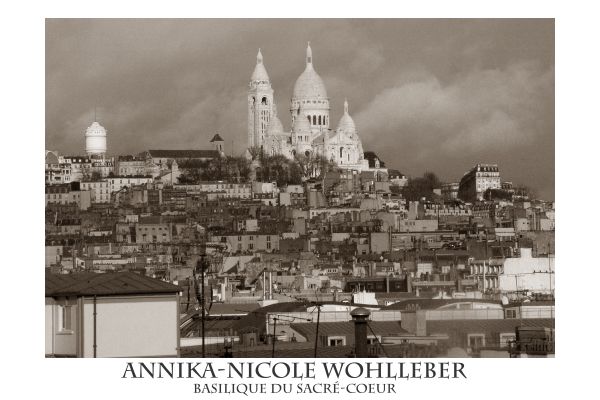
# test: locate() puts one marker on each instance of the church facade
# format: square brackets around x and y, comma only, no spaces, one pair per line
[311,134]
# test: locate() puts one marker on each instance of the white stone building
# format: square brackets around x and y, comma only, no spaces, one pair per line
[311,134]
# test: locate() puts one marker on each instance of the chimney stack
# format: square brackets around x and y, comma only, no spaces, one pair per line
[360,317]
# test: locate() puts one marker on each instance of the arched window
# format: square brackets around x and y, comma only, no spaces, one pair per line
[307,153]
[314,119]
[320,120]
[341,152]
[264,101]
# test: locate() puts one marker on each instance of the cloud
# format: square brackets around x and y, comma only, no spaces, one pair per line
[486,113]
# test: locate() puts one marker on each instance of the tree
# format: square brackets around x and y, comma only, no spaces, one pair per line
[314,165]
[417,188]
[96,176]
[256,152]
[232,169]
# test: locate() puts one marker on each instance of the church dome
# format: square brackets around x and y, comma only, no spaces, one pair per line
[346,123]
[260,72]
[309,84]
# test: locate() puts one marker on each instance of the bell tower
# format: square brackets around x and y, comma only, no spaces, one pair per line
[260,103]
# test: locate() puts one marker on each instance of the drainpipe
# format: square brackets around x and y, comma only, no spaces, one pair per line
[95,321]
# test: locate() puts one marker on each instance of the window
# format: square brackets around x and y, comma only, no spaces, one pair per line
[373,339]
[251,246]
[334,341]
[64,319]
[505,338]
[476,340]
[511,314]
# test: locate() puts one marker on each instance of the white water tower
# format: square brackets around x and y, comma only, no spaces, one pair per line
[95,140]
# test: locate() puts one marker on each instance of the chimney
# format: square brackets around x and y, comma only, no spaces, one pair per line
[360,318]
[421,323]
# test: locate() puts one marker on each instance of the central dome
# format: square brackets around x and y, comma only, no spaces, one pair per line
[309,84]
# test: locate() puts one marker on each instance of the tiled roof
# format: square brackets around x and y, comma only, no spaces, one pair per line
[108,284]
[184,153]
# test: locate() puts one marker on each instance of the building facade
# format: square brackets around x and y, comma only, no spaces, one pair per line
[480,178]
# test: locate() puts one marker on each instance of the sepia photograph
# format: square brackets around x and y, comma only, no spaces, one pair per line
[299,188]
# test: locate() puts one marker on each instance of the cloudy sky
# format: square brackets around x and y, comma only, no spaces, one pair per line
[426,95]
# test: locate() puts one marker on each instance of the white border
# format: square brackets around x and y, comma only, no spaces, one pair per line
[27,373]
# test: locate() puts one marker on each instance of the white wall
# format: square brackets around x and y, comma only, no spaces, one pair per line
[132,326]
[527,273]
[49,327]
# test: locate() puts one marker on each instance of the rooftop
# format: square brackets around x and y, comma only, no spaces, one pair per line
[184,153]
[432,304]
[308,330]
[108,284]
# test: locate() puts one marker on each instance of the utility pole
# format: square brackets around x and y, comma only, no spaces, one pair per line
[550,270]
[274,336]
[203,308]
[200,296]
[486,257]
[317,332]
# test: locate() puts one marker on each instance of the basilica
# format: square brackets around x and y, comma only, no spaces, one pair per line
[311,134]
